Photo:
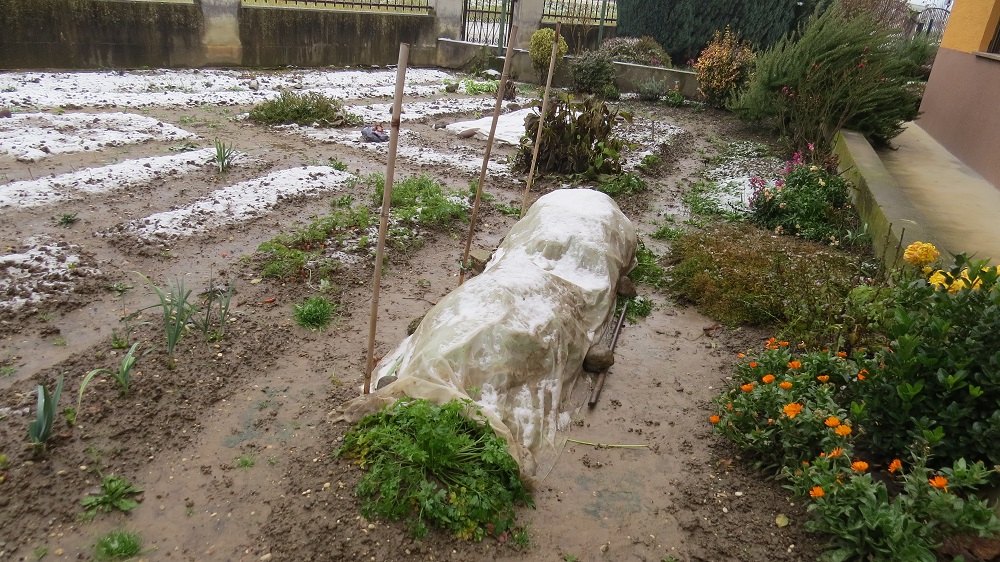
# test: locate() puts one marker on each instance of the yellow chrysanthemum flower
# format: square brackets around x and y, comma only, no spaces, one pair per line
[938,280]
[919,254]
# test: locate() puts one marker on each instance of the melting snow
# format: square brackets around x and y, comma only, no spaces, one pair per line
[29,137]
[46,268]
[235,204]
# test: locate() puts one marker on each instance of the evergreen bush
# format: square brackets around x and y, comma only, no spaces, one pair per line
[841,72]
[540,50]
[645,51]
[724,67]
[593,72]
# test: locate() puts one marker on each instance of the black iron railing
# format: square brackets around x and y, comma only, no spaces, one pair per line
[580,12]
[394,6]
[487,21]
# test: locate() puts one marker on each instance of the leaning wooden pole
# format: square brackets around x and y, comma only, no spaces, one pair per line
[486,157]
[383,226]
[541,120]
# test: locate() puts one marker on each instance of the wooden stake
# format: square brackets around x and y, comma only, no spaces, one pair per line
[541,120]
[486,157]
[404,53]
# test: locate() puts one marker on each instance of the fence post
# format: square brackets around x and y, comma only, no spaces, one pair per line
[600,30]
[503,31]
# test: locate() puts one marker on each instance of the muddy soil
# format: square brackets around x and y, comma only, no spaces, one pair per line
[264,391]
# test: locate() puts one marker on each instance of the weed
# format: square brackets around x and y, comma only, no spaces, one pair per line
[336,164]
[624,184]
[647,269]
[509,210]
[675,98]
[570,558]
[420,199]
[668,232]
[177,311]
[702,200]
[40,429]
[245,462]
[59,341]
[441,465]
[638,307]
[314,313]
[189,511]
[70,414]
[520,537]
[4,463]
[44,317]
[310,109]
[67,220]
[7,371]
[187,146]
[649,163]
[272,460]
[115,492]
[118,545]
[224,155]
[41,552]
[474,87]
[212,296]
[119,288]
[301,252]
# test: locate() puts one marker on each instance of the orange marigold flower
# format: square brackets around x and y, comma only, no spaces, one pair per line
[832,421]
[729,406]
[714,419]
[792,410]
[794,364]
[842,354]
[753,364]
[895,465]
[859,466]
[821,455]
[768,378]
[836,452]
[843,430]
[785,385]
[939,482]
[783,343]
[823,378]
[748,387]
[741,355]
[862,374]
[817,492]
[805,463]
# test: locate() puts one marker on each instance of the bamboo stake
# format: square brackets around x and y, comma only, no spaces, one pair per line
[541,120]
[486,157]
[404,53]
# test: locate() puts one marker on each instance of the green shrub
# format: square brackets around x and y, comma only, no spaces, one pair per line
[841,72]
[647,269]
[593,73]
[645,51]
[624,184]
[651,89]
[540,51]
[576,139]
[939,380]
[315,313]
[306,109]
[440,465]
[739,274]
[724,67]
[809,202]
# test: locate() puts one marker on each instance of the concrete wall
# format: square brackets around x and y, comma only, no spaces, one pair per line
[94,34]
[123,34]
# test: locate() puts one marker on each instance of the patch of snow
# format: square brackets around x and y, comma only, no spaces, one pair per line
[45,269]
[29,137]
[510,126]
[742,161]
[235,204]
[171,88]
[416,110]
[131,173]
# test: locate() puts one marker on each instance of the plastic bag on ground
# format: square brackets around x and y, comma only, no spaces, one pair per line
[513,338]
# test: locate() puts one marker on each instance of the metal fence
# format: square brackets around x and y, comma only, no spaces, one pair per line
[931,22]
[487,21]
[580,12]
[391,6]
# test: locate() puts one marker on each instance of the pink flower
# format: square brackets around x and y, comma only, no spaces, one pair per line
[811,147]
[861,65]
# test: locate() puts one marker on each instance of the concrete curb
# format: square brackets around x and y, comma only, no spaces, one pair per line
[893,221]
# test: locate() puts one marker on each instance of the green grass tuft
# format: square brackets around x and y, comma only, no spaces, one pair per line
[421,199]
[118,545]
[623,184]
[306,109]
[648,269]
[315,313]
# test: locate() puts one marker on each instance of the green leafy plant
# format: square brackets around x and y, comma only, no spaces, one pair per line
[337,164]
[115,494]
[839,72]
[724,67]
[67,220]
[177,313]
[668,232]
[674,97]
[118,544]
[638,307]
[306,109]
[509,210]
[246,462]
[647,269]
[421,199]
[809,202]
[315,313]
[649,163]
[593,73]
[540,51]
[577,139]
[476,87]
[224,155]
[623,184]
[937,381]
[636,50]
[40,430]
[215,300]
[439,465]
